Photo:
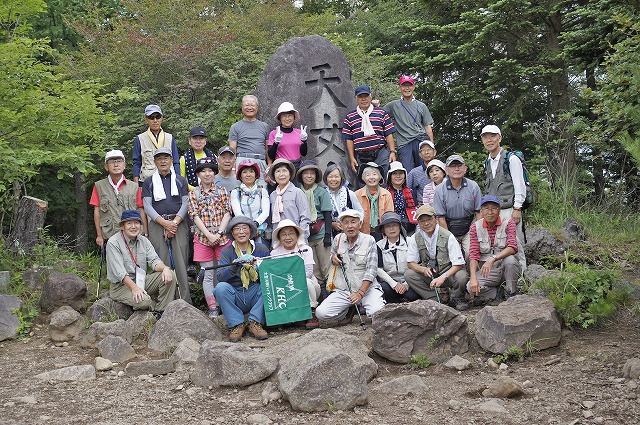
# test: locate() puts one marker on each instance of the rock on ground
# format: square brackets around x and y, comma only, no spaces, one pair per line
[426,327]
[520,320]
[458,363]
[542,243]
[141,323]
[35,277]
[631,369]
[102,364]
[149,367]
[65,324]
[504,387]
[63,289]
[231,364]
[70,373]
[492,406]
[107,310]
[116,349]
[99,330]
[186,353]
[179,321]
[9,321]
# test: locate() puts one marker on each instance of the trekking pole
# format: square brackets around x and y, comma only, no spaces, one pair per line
[346,279]
[102,254]
[173,265]
[269,257]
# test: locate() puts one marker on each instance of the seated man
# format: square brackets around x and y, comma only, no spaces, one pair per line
[288,239]
[358,253]
[238,290]
[128,256]
[434,258]
[492,252]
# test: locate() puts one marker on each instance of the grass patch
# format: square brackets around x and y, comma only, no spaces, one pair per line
[418,361]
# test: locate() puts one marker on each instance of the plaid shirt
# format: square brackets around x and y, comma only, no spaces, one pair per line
[211,206]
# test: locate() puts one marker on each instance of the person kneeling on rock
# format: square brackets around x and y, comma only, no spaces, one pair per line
[128,256]
[238,291]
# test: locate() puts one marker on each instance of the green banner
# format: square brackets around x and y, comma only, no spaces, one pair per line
[284,290]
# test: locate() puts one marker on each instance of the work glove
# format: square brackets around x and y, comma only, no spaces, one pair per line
[246,258]
[279,135]
[303,133]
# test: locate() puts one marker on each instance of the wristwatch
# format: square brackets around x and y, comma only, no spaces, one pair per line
[220,232]
[495,257]
[393,151]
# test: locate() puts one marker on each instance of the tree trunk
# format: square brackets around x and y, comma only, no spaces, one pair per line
[28,224]
[81,230]
[596,152]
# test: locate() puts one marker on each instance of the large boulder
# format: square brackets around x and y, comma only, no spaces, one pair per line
[35,277]
[107,310]
[99,330]
[323,370]
[179,321]
[65,324]
[421,327]
[231,364]
[9,321]
[542,243]
[313,74]
[63,289]
[116,349]
[519,321]
[141,322]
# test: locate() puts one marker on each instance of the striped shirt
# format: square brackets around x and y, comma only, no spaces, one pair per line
[474,247]
[381,123]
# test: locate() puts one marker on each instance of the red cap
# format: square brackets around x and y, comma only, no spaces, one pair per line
[406,79]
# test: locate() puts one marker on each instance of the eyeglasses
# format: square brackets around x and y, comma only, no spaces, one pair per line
[115,161]
[455,165]
[491,208]
[293,234]
[155,117]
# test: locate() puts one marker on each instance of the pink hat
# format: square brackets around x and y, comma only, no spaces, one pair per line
[247,163]
[406,79]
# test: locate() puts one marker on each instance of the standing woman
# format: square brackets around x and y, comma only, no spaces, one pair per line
[342,198]
[404,199]
[251,199]
[436,172]
[288,201]
[374,199]
[285,141]
[210,210]
[310,175]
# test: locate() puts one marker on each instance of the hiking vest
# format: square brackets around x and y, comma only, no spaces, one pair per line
[501,185]
[442,261]
[112,205]
[147,148]
[355,262]
[395,267]
[499,242]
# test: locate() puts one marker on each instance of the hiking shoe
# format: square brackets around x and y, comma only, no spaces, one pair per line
[257,331]
[213,313]
[235,333]
[459,304]
[313,323]
[349,317]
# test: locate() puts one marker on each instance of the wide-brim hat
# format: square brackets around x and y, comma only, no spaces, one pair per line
[275,239]
[287,163]
[206,162]
[396,166]
[309,165]
[247,163]
[388,218]
[287,107]
[367,165]
[240,219]
[436,163]
[130,215]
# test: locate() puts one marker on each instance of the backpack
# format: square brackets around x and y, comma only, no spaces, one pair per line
[529,197]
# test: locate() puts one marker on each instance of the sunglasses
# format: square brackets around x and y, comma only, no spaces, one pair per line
[155,117]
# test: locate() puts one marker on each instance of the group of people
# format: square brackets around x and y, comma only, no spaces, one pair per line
[416,228]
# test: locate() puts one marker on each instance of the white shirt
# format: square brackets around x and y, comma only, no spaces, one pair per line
[453,247]
[517,176]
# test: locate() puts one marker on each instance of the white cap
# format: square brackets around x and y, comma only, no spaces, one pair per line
[491,129]
[426,142]
[350,213]
[113,154]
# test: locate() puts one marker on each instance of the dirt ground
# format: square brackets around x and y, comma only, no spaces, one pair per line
[578,382]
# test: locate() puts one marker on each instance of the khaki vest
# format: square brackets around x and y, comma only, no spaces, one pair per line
[500,186]
[112,206]
[499,242]
[443,263]
[394,269]
[147,148]
[355,264]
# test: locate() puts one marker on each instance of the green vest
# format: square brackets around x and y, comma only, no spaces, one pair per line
[112,206]
[443,263]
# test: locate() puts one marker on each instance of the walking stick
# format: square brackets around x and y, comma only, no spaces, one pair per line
[344,272]
[173,265]
[102,254]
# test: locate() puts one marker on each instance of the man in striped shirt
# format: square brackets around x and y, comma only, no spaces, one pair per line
[368,133]
[492,253]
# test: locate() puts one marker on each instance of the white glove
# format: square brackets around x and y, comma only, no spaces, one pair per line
[303,133]
[279,135]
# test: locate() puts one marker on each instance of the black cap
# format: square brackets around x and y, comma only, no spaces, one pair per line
[198,131]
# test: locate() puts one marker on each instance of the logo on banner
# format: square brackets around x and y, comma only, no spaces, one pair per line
[279,290]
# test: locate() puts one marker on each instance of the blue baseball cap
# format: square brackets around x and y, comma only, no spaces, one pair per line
[362,90]
[489,198]
[151,109]
[130,215]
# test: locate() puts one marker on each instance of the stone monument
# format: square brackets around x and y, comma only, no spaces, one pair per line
[313,74]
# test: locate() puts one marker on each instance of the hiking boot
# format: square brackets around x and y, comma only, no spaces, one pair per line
[459,304]
[235,333]
[257,331]
[313,323]
[349,317]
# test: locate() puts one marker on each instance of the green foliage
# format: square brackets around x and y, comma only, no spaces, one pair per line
[512,354]
[26,315]
[419,361]
[583,296]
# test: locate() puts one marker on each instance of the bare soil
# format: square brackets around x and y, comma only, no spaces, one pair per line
[585,367]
